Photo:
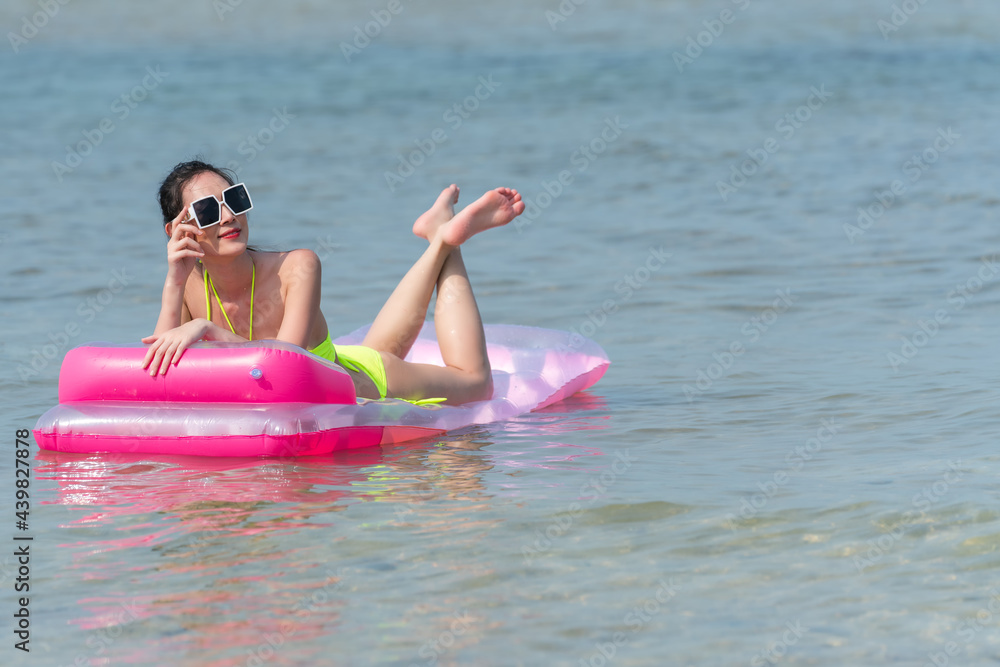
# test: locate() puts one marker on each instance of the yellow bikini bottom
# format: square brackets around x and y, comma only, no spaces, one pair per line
[361,359]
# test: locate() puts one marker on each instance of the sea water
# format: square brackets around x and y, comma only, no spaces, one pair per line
[777,218]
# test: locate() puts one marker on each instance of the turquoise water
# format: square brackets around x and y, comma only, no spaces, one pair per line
[789,460]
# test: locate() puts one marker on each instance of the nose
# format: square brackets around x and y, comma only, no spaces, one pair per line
[226,214]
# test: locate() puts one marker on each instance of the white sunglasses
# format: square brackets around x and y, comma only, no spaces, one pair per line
[207,211]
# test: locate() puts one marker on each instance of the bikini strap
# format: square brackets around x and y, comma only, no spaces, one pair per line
[208,303]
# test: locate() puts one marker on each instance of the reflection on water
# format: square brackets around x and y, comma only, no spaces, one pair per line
[224,553]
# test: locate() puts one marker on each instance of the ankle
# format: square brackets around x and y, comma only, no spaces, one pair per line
[438,243]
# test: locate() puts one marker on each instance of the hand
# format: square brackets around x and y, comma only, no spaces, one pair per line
[168,347]
[183,250]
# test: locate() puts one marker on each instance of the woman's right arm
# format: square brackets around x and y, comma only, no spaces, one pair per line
[173,311]
[183,253]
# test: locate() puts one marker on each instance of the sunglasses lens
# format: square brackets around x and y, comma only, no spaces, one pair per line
[238,199]
[206,211]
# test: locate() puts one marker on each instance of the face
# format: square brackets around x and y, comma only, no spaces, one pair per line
[230,236]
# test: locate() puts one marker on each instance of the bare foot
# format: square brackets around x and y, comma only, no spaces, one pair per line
[441,212]
[494,209]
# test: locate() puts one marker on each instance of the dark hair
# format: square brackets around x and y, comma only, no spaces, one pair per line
[171,195]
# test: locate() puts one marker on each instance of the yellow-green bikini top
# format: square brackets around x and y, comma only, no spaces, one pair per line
[208,302]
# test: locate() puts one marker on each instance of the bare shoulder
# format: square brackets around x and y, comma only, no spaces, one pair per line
[298,264]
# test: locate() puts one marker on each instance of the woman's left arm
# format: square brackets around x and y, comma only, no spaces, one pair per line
[302,272]
[166,348]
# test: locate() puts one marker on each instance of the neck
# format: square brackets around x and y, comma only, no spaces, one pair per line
[230,275]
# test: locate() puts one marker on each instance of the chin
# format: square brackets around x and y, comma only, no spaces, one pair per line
[231,249]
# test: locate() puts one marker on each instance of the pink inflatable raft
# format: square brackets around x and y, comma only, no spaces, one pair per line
[275,399]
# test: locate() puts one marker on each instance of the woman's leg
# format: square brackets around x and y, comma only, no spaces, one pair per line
[466,375]
[398,323]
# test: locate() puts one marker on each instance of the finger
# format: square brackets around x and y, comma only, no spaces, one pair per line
[154,366]
[187,252]
[193,228]
[182,229]
[168,358]
[176,232]
[186,224]
[192,243]
[185,244]
[184,248]
[160,367]
[180,216]
[155,348]
[149,352]
[178,354]
[164,361]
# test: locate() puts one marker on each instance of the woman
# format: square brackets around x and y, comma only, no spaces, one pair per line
[214,279]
